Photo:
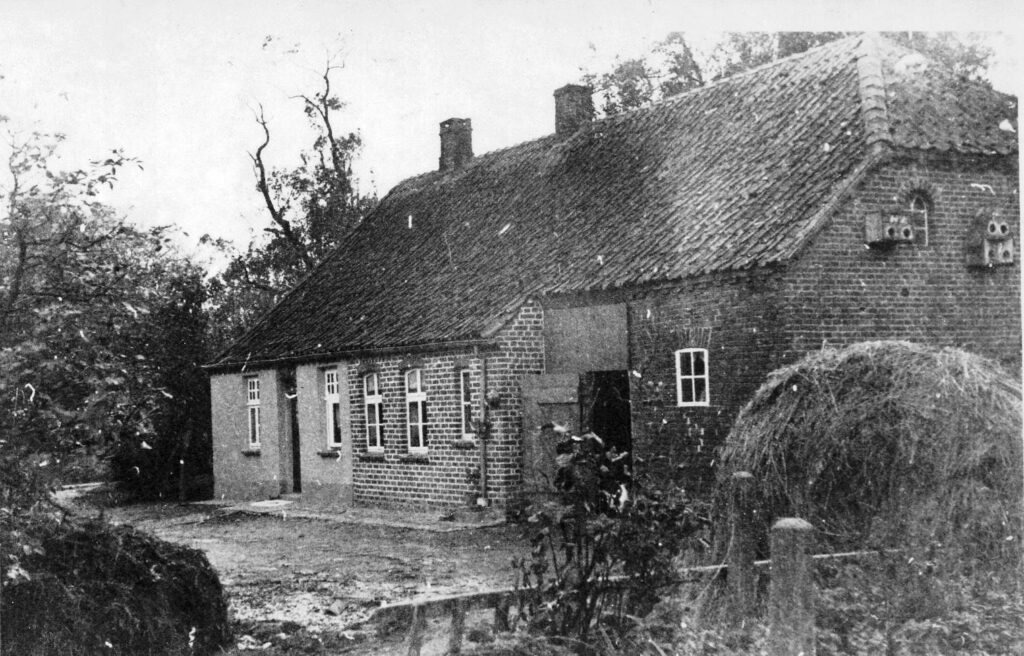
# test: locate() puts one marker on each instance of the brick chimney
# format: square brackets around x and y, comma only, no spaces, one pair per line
[456,143]
[574,108]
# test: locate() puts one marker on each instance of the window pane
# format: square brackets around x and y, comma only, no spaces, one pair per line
[698,363]
[467,419]
[467,394]
[336,422]
[370,384]
[686,390]
[700,393]
[380,414]
[412,381]
[423,412]
[414,435]
[423,436]
[685,364]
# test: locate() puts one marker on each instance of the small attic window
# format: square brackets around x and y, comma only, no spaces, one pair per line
[918,207]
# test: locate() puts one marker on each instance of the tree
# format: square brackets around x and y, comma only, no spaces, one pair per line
[100,323]
[673,66]
[311,209]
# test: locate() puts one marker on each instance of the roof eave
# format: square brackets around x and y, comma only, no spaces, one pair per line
[267,363]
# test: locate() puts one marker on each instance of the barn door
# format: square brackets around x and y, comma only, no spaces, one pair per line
[547,399]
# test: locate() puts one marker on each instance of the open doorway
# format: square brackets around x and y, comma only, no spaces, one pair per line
[605,409]
[291,403]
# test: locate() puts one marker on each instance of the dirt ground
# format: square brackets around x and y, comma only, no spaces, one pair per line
[293,580]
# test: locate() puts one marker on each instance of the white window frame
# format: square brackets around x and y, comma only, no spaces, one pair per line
[919,212]
[373,408]
[417,396]
[466,404]
[331,399]
[252,403]
[690,378]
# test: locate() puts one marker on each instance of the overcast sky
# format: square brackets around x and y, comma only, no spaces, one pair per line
[175,83]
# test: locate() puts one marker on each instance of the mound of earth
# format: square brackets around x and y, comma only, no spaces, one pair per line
[85,587]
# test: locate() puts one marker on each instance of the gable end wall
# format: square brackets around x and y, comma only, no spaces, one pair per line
[839,292]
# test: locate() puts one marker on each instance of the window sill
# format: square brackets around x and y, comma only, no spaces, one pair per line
[330,453]
[465,443]
[371,457]
[421,458]
[251,453]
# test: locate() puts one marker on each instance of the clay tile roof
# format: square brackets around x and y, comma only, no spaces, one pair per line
[730,176]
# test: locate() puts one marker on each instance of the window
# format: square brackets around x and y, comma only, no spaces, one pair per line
[416,411]
[374,407]
[465,386]
[252,400]
[692,377]
[918,210]
[333,407]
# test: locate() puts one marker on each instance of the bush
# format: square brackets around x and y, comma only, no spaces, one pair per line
[84,587]
[605,550]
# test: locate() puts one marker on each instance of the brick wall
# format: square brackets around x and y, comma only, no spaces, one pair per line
[839,292]
[836,293]
[734,317]
[397,477]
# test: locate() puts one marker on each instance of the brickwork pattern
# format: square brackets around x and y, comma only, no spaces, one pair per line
[398,478]
[836,293]
[840,292]
[734,317]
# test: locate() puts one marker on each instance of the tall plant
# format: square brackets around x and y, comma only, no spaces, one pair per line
[605,548]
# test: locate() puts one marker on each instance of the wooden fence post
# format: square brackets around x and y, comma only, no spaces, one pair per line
[791,595]
[742,576]
[458,626]
[501,608]
[419,624]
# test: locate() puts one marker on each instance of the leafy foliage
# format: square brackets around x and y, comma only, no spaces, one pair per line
[674,65]
[101,325]
[605,549]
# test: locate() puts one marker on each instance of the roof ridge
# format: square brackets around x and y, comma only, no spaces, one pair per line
[736,76]
[871,86]
[628,113]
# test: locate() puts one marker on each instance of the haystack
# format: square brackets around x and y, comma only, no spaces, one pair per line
[887,444]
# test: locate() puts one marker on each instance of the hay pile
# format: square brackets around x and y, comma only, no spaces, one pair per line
[91,588]
[887,444]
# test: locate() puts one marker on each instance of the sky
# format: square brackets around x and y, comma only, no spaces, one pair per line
[176,83]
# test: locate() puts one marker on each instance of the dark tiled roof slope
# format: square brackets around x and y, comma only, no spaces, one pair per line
[730,176]
[933,109]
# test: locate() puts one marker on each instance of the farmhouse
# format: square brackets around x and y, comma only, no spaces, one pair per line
[636,276]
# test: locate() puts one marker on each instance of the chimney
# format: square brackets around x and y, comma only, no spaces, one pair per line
[574,108]
[456,143]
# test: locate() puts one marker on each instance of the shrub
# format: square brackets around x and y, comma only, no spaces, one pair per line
[605,550]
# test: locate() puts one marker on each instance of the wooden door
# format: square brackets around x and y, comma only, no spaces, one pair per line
[548,399]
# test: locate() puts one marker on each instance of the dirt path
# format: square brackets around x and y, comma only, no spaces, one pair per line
[324,575]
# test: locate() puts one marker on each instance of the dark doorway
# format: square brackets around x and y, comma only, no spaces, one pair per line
[293,415]
[604,407]
[291,396]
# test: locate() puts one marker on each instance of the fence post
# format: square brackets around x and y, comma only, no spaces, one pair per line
[791,595]
[742,576]
[501,608]
[458,626]
[419,623]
